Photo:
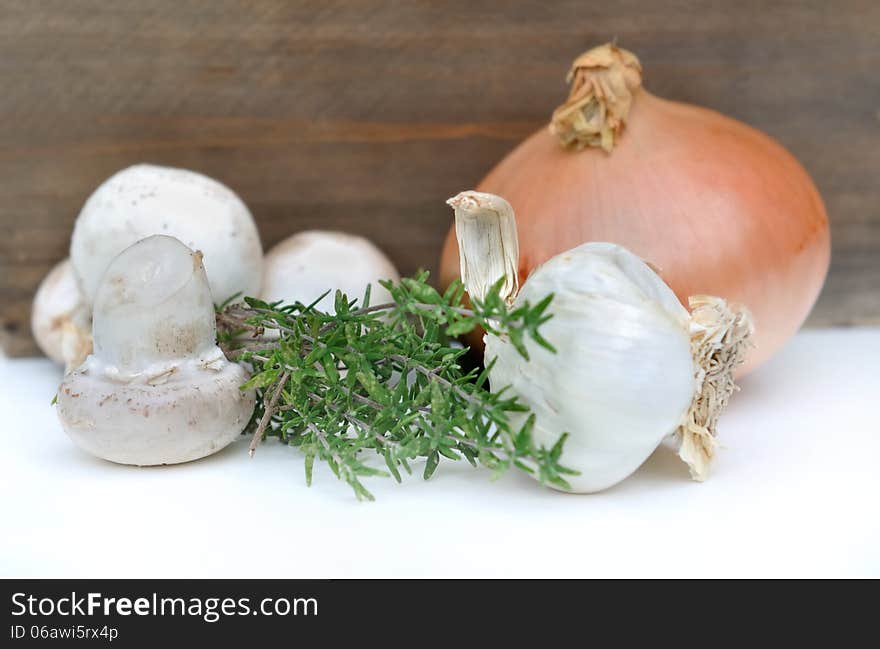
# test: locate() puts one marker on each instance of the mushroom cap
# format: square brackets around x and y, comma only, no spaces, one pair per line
[309,263]
[59,318]
[147,199]
[157,389]
[195,413]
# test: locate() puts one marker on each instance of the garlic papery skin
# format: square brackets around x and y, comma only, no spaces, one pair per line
[308,264]
[145,199]
[60,320]
[632,365]
[486,227]
[156,389]
[622,376]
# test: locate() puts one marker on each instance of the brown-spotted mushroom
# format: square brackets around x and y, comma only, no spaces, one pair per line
[147,199]
[60,320]
[156,389]
[308,264]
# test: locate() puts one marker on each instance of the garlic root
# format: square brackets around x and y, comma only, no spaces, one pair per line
[720,337]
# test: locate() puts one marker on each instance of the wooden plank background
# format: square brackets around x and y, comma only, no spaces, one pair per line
[366,115]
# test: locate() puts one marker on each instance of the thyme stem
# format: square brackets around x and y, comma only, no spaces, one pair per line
[267,414]
[385,378]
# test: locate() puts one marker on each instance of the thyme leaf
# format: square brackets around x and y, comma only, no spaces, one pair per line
[387,380]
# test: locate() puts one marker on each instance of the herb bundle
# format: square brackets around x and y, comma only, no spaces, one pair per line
[385,379]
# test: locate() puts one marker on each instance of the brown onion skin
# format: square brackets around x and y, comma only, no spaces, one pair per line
[715,205]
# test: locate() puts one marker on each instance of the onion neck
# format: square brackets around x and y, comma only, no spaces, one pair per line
[604,81]
[488,247]
[720,336]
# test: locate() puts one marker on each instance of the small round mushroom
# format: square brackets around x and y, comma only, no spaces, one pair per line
[147,199]
[156,389]
[60,321]
[309,263]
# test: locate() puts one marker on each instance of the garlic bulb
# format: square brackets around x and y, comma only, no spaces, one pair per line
[156,389]
[632,365]
[308,264]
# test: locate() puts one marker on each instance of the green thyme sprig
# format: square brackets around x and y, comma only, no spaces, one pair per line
[384,379]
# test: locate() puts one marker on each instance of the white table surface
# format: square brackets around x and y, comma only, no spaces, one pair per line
[795,492]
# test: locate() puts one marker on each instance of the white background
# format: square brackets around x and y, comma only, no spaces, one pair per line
[794,493]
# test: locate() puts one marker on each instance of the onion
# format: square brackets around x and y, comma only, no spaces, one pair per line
[716,206]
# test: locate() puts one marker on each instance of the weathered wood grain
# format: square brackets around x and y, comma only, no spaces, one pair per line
[365,116]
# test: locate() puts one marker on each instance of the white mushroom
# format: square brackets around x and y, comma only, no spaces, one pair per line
[156,389]
[147,199]
[60,321]
[307,264]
